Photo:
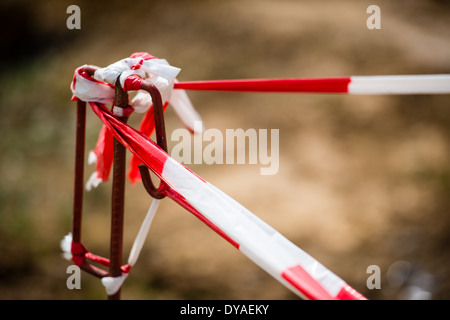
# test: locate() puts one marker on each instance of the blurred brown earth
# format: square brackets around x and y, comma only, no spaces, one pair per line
[362,180]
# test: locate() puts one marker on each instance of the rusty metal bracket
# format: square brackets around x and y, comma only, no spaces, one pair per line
[120,109]
[161,139]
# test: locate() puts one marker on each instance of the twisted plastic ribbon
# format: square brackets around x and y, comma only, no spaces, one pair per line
[100,88]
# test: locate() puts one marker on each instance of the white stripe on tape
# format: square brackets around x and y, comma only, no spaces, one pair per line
[405,84]
[257,240]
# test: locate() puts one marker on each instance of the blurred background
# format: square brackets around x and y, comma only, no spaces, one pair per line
[362,180]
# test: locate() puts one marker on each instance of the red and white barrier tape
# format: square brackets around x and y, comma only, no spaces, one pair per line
[258,241]
[100,88]
[395,84]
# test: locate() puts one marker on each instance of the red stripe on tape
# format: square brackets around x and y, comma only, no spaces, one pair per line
[306,284]
[348,293]
[326,85]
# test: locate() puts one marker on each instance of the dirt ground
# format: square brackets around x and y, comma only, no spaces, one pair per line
[362,180]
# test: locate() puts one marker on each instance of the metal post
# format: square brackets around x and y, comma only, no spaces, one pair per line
[118,196]
[80,142]
[79,171]
[79,165]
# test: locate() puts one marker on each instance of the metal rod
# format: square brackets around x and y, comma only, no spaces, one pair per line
[160,127]
[80,141]
[161,139]
[118,196]
[148,183]
[93,270]
[79,171]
